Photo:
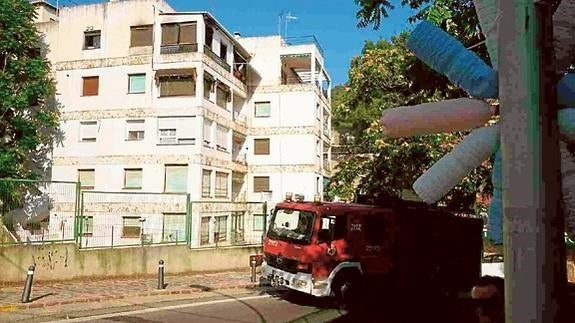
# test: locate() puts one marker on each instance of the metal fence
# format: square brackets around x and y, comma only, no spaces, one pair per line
[36,212]
[217,224]
[119,219]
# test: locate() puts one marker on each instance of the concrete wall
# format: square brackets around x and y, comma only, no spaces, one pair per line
[65,261]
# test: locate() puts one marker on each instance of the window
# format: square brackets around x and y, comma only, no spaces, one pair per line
[137,83]
[133,178]
[92,39]
[262,109]
[90,85]
[131,227]
[208,132]
[221,229]
[374,226]
[317,111]
[238,231]
[176,179]
[86,177]
[205,231]
[88,226]
[223,52]
[340,228]
[259,221]
[262,146]
[318,148]
[184,85]
[176,131]
[174,227]
[206,183]
[209,36]
[135,130]
[222,138]
[222,95]
[317,185]
[179,37]
[261,184]
[209,82]
[221,184]
[88,131]
[141,35]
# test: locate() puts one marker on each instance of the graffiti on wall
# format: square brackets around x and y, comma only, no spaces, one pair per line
[51,258]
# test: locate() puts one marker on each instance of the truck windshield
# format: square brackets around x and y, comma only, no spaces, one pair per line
[291,225]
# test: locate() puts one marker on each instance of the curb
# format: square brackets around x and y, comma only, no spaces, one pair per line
[15,307]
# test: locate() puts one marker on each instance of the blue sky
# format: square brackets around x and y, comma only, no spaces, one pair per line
[332,22]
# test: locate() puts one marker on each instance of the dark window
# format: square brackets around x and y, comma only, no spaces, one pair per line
[374,229]
[170,34]
[92,39]
[262,146]
[209,36]
[223,52]
[340,229]
[90,85]
[131,227]
[261,184]
[141,36]
[209,83]
[179,34]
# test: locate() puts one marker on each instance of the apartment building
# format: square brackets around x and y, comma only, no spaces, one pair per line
[155,100]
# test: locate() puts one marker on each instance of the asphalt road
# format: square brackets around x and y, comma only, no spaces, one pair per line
[247,307]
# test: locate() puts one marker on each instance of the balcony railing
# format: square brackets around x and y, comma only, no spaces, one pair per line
[178,48]
[240,158]
[303,40]
[208,51]
[240,117]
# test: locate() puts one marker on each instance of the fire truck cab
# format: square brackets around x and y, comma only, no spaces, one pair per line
[329,248]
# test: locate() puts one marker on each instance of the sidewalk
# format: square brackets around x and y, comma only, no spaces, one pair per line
[85,291]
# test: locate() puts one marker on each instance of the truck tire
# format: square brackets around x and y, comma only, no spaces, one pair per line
[347,289]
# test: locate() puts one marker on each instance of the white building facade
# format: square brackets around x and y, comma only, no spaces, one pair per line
[159,101]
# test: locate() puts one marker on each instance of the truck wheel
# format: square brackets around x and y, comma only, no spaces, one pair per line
[347,289]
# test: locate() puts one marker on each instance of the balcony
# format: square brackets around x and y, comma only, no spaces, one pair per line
[178,48]
[208,51]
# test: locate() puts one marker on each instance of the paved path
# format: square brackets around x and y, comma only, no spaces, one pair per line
[83,291]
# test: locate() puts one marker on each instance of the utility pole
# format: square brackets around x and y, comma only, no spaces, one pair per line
[535,277]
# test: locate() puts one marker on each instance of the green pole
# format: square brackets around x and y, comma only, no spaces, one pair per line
[533,222]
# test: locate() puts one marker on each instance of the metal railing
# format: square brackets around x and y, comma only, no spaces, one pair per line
[208,51]
[304,40]
[178,48]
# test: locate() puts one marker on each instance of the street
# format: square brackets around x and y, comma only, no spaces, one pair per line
[243,307]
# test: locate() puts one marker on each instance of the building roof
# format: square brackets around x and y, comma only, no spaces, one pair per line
[43,2]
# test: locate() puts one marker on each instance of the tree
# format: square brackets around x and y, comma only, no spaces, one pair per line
[388,75]
[28,111]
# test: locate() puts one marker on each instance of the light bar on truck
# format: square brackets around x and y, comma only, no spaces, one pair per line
[288,196]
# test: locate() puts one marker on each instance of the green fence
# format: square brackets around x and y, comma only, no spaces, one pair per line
[35,212]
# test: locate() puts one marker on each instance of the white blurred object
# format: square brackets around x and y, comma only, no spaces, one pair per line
[454,166]
[435,117]
[489,20]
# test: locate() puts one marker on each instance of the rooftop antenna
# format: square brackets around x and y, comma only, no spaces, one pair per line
[288,17]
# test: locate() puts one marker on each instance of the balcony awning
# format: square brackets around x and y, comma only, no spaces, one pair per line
[176,72]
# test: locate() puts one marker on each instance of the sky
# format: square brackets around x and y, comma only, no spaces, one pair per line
[332,22]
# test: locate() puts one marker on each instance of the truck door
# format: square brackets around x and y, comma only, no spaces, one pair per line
[376,257]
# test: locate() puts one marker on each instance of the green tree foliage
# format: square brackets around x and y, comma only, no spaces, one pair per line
[28,111]
[387,75]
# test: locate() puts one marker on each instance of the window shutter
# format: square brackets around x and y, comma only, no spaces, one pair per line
[88,130]
[141,36]
[206,183]
[222,137]
[177,86]
[186,128]
[86,177]
[167,123]
[169,34]
[221,184]
[90,85]
[176,178]
[262,146]
[188,33]
[207,131]
[261,183]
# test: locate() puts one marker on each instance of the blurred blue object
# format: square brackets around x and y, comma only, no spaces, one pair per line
[495,226]
[566,90]
[449,57]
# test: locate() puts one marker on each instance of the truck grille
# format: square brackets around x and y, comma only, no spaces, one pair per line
[282,263]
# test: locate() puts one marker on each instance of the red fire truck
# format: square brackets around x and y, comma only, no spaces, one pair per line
[333,249]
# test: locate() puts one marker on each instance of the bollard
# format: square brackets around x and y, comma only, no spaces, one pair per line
[161,275]
[253,266]
[28,285]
